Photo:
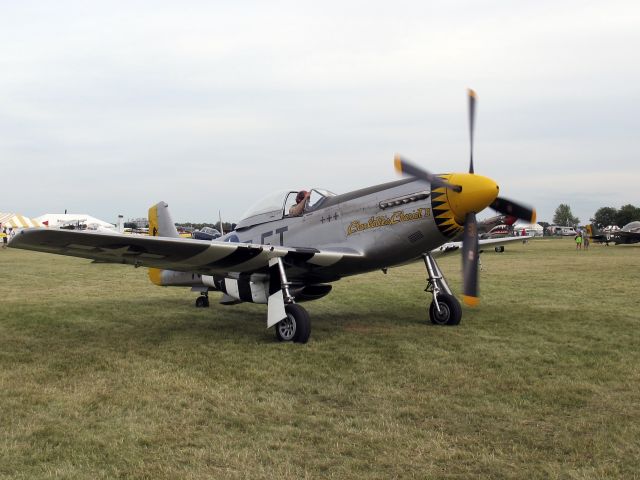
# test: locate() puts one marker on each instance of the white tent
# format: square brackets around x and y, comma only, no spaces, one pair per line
[58,219]
[533,229]
[15,220]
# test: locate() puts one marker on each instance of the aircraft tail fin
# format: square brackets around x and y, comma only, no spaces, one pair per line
[597,235]
[593,232]
[590,230]
[160,225]
[160,221]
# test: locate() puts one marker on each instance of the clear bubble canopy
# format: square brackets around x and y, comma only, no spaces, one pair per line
[276,205]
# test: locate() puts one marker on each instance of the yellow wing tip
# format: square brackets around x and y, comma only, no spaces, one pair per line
[470,301]
[397,163]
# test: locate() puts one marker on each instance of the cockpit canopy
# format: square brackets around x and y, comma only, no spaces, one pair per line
[277,204]
[631,227]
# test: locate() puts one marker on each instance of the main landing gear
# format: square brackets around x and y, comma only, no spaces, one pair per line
[445,308]
[296,326]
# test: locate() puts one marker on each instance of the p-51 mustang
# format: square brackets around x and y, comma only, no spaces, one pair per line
[281,260]
[628,234]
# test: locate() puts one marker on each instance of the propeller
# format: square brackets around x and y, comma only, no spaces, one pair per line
[514,209]
[470,237]
[472,120]
[470,293]
[405,166]
[470,260]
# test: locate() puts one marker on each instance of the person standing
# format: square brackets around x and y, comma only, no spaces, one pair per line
[578,241]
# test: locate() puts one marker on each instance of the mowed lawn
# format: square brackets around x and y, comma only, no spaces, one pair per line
[104,375]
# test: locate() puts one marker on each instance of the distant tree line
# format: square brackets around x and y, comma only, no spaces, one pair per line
[606,216]
[603,217]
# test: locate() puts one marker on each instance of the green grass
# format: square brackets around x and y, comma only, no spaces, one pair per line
[103,375]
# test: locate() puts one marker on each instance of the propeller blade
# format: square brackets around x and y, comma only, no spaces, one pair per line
[509,207]
[472,119]
[405,166]
[470,261]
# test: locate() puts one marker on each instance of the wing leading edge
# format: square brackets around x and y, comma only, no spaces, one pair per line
[187,255]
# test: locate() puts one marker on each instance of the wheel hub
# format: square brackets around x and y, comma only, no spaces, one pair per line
[287,328]
[443,316]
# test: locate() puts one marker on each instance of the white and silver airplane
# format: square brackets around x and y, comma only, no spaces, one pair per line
[279,259]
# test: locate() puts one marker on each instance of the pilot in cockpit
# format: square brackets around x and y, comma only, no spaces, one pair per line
[301,199]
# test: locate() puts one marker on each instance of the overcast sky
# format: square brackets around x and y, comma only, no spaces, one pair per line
[108,107]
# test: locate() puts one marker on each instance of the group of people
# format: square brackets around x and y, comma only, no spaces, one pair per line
[582,239]
[5,233]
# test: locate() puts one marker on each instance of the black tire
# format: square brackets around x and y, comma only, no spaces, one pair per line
[450,310]
[296,327]
[202,302]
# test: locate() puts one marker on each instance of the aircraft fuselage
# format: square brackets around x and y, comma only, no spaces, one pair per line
[388,225]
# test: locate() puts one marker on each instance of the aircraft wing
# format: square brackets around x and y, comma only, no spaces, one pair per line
[188,255]
[494,242]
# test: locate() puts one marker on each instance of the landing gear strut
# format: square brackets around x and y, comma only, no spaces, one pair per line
[445,308]
[296,326]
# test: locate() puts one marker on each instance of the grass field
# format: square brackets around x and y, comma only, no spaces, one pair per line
[103,375]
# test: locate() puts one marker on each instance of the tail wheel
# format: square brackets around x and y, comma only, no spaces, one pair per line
[296,326]
[202,302]
[450,310]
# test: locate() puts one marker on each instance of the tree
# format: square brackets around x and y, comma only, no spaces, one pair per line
[627,213]
[605,216]
[563,216]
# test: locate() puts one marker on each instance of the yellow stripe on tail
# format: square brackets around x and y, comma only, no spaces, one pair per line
[590,230]
[153,221]
[160,224]
[155,274]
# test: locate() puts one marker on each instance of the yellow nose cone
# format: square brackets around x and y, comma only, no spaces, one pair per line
[477,193]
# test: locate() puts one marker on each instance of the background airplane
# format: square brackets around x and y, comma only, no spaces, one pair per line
[496,226]
[630,233]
